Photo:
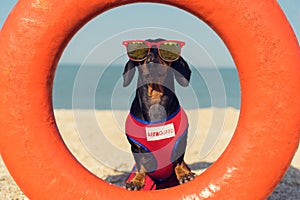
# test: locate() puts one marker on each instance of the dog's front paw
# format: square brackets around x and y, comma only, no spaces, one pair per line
[131,185]
[187,177]
[183,173]
[137,182]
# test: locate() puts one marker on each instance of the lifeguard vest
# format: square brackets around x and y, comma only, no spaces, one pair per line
[160,140]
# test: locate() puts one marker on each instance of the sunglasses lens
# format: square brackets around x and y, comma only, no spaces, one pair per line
[169,51]
[137,50]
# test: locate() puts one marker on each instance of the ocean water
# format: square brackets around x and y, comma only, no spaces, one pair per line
[99,87]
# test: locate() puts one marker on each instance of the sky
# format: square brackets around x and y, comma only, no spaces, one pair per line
[99,41]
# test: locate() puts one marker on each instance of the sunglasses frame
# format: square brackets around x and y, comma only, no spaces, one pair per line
[150,45]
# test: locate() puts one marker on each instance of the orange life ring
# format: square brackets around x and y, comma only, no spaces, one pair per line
[266,54]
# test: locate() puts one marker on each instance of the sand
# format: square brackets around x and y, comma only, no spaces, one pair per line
[93,135]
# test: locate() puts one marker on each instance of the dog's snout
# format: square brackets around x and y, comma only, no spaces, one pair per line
[153,56]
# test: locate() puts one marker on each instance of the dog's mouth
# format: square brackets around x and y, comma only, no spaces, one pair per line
[155,91]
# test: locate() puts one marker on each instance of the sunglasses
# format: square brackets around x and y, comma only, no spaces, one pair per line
[168,50]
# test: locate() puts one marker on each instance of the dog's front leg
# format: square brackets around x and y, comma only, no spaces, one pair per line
[138,181]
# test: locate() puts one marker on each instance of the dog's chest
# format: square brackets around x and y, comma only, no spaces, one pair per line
[156,136]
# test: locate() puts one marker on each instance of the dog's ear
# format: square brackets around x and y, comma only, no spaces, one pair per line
[182,72]
[128,73]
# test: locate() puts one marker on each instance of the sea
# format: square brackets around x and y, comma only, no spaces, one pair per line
[101,87]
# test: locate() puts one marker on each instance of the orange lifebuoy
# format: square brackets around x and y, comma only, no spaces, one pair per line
[267,135]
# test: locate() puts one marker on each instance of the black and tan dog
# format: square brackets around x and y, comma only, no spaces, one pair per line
[158,63]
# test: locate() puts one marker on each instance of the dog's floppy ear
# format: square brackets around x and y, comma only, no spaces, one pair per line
[182,72]
[128,73]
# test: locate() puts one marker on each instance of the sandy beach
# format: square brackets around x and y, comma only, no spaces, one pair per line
[92,136]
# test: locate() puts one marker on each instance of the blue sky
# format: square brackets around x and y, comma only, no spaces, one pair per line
[99,41]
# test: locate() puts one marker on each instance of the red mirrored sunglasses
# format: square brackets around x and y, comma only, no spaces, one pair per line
[168,50]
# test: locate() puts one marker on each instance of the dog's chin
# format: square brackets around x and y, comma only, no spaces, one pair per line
[155,92]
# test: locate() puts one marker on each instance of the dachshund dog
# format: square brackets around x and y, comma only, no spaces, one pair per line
[157,126]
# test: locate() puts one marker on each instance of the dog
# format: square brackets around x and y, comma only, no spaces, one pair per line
[156,127]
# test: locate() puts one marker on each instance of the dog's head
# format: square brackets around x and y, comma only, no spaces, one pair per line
[155,70]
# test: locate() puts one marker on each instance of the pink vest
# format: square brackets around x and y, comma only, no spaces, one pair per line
[159,139]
